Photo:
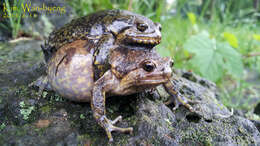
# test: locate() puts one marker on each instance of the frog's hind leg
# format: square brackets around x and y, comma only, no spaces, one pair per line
[177,98]
[42,83]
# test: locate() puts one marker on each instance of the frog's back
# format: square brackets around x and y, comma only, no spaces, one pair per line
[92,26]
[77,28]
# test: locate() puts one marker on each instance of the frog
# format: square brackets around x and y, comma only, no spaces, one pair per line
[71,73]
[106,28]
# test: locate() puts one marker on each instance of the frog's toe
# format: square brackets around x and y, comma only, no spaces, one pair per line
[42,84]
[177,101]
[111,128]
[169,101]
[185,102]
[187,105]
[176,106]
[118,119]
[194,101]
[108,125]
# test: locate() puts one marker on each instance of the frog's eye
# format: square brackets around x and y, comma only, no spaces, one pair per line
[142,26]
[148,66]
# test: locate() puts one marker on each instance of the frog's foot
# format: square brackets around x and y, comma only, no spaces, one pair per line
[108,125]
[180,100]
[41,83]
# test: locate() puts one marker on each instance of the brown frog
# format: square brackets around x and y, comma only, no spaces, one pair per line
[70,72]
[106,29]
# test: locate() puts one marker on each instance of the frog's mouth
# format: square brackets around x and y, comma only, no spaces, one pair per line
[137,39]
[142,84]
[148,80]
[143,40]
[136,81]
[153,80]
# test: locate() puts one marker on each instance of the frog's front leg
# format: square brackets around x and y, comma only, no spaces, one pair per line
[101,87]
[177,98]
[42,83]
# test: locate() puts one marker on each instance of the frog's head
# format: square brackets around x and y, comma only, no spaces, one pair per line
[138,70]
[134,29]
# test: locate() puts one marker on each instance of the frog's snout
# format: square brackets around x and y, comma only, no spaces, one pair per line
[171,62]
[159,26]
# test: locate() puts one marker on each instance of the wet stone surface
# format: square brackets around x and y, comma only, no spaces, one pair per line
[52,120]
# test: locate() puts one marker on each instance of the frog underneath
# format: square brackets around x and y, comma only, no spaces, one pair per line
[70,72]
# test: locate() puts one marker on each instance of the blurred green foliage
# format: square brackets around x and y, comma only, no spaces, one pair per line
[14,11]
[149,8]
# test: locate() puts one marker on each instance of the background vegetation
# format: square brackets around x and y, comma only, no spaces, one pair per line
[217,39]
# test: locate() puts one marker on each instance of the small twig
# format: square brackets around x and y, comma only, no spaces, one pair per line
[20,39]
[252,54]
[225,116]
[130,5]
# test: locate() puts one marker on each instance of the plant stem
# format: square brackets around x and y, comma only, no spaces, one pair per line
[252,54]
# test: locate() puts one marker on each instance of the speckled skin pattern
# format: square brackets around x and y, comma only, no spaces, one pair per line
[118,26]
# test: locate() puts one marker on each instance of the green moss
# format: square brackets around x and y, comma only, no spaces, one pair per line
[44,94]
[123,140]
[21,131]
[46,109]
[84,137]
[205,134]
[2,126]
[154,141]
[132,120]
[147,119]
[82,116]
[23,92]
[25,110]
[169,124]
[56,98]
[208,141]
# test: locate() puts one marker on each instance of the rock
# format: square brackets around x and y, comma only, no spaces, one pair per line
[52,120]
[257,109]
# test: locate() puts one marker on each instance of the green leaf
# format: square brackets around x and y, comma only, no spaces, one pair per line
[212,58]
[192,18]
[256,37]
[232,59]
[231,38]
